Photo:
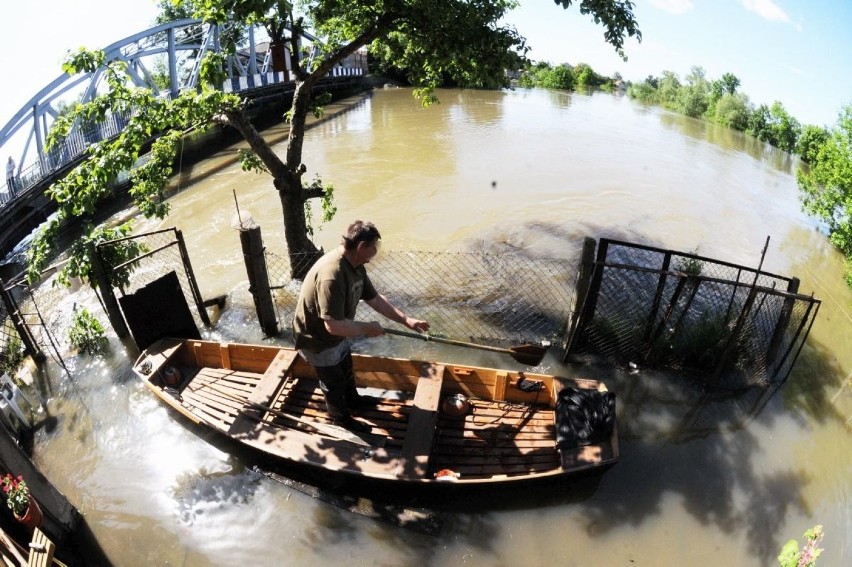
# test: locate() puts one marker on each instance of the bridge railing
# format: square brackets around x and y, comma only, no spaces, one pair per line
[162,40]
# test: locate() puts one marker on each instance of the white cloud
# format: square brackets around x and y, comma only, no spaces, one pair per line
[766,9]
[673,6]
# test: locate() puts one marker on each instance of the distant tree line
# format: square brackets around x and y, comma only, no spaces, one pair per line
[719,101]
[825,172]
[567,77]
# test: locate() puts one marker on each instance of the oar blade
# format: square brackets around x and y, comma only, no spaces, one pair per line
[529,355]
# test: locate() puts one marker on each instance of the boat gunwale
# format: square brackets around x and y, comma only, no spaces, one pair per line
[175,402]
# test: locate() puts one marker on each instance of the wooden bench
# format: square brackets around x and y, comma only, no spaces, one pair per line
[417,445]
[265,391]
[41,550]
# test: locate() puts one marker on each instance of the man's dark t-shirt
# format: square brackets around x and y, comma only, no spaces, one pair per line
[331,290]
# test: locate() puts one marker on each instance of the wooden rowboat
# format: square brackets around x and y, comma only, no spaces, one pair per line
[513,426]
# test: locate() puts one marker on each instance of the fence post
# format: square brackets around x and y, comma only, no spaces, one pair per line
[783,322]
[735,334]
[101,284]
[584,280]
[255,259]
[190,276]
[587,312]
[27,338]
[658,297]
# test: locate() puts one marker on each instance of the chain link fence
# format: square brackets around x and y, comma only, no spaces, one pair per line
[506,298]
[725,325]
[43,313]
[155,254]
[11,346]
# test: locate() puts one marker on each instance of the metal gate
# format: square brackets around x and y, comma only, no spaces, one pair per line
[155,254]
[726,325]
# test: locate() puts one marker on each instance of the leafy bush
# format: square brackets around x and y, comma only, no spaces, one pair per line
[87,334]
[559,77]
[812,138]
[791,556]
[13,352]
[732,110]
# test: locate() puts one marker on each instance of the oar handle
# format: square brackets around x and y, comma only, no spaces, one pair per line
[428,337]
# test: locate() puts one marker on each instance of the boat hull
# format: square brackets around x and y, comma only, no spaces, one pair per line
[268,399]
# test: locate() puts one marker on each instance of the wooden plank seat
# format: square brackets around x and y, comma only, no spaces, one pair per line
[417,445]
[265,392]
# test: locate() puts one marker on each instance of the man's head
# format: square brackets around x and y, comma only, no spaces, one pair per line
[361,242]
[360,231]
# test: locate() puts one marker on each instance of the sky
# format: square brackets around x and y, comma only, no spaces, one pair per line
[798,52]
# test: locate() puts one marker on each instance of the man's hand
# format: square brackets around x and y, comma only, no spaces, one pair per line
[417,325]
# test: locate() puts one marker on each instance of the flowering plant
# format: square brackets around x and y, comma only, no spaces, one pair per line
[17,494]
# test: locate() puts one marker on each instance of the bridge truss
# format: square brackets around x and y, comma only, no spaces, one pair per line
[166,59]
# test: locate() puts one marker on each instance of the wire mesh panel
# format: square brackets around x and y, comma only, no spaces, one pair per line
[505,298]
[42,310]
[729,326]
[11,346]
[44,313]
[157,253]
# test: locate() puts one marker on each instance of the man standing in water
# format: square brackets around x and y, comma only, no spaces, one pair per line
[325,319]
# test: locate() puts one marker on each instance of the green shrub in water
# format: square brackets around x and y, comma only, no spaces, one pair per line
[792,556]
[13,353]
[87,334]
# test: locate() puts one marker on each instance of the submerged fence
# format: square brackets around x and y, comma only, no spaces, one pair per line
[728,326]
[506,298]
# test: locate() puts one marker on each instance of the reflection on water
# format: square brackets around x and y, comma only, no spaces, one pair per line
[700,482]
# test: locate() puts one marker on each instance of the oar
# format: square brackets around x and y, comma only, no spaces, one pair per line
[530,355]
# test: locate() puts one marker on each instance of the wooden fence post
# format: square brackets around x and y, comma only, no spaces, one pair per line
[255,259]
[658,297]
[584,280]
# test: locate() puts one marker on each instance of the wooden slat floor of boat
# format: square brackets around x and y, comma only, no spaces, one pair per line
[273,380]
[304,398]
[497,439]
[210,408]
[214,394]
[245,381]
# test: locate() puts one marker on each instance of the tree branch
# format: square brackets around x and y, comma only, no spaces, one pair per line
[273,163]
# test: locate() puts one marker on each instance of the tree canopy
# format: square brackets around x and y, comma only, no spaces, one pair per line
[719,101]
[433,41]
[826,182]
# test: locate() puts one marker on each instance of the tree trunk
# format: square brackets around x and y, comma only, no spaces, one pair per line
[287,178]
[303,253]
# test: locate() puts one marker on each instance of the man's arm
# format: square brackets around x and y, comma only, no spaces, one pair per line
[352,329]
[381,305]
